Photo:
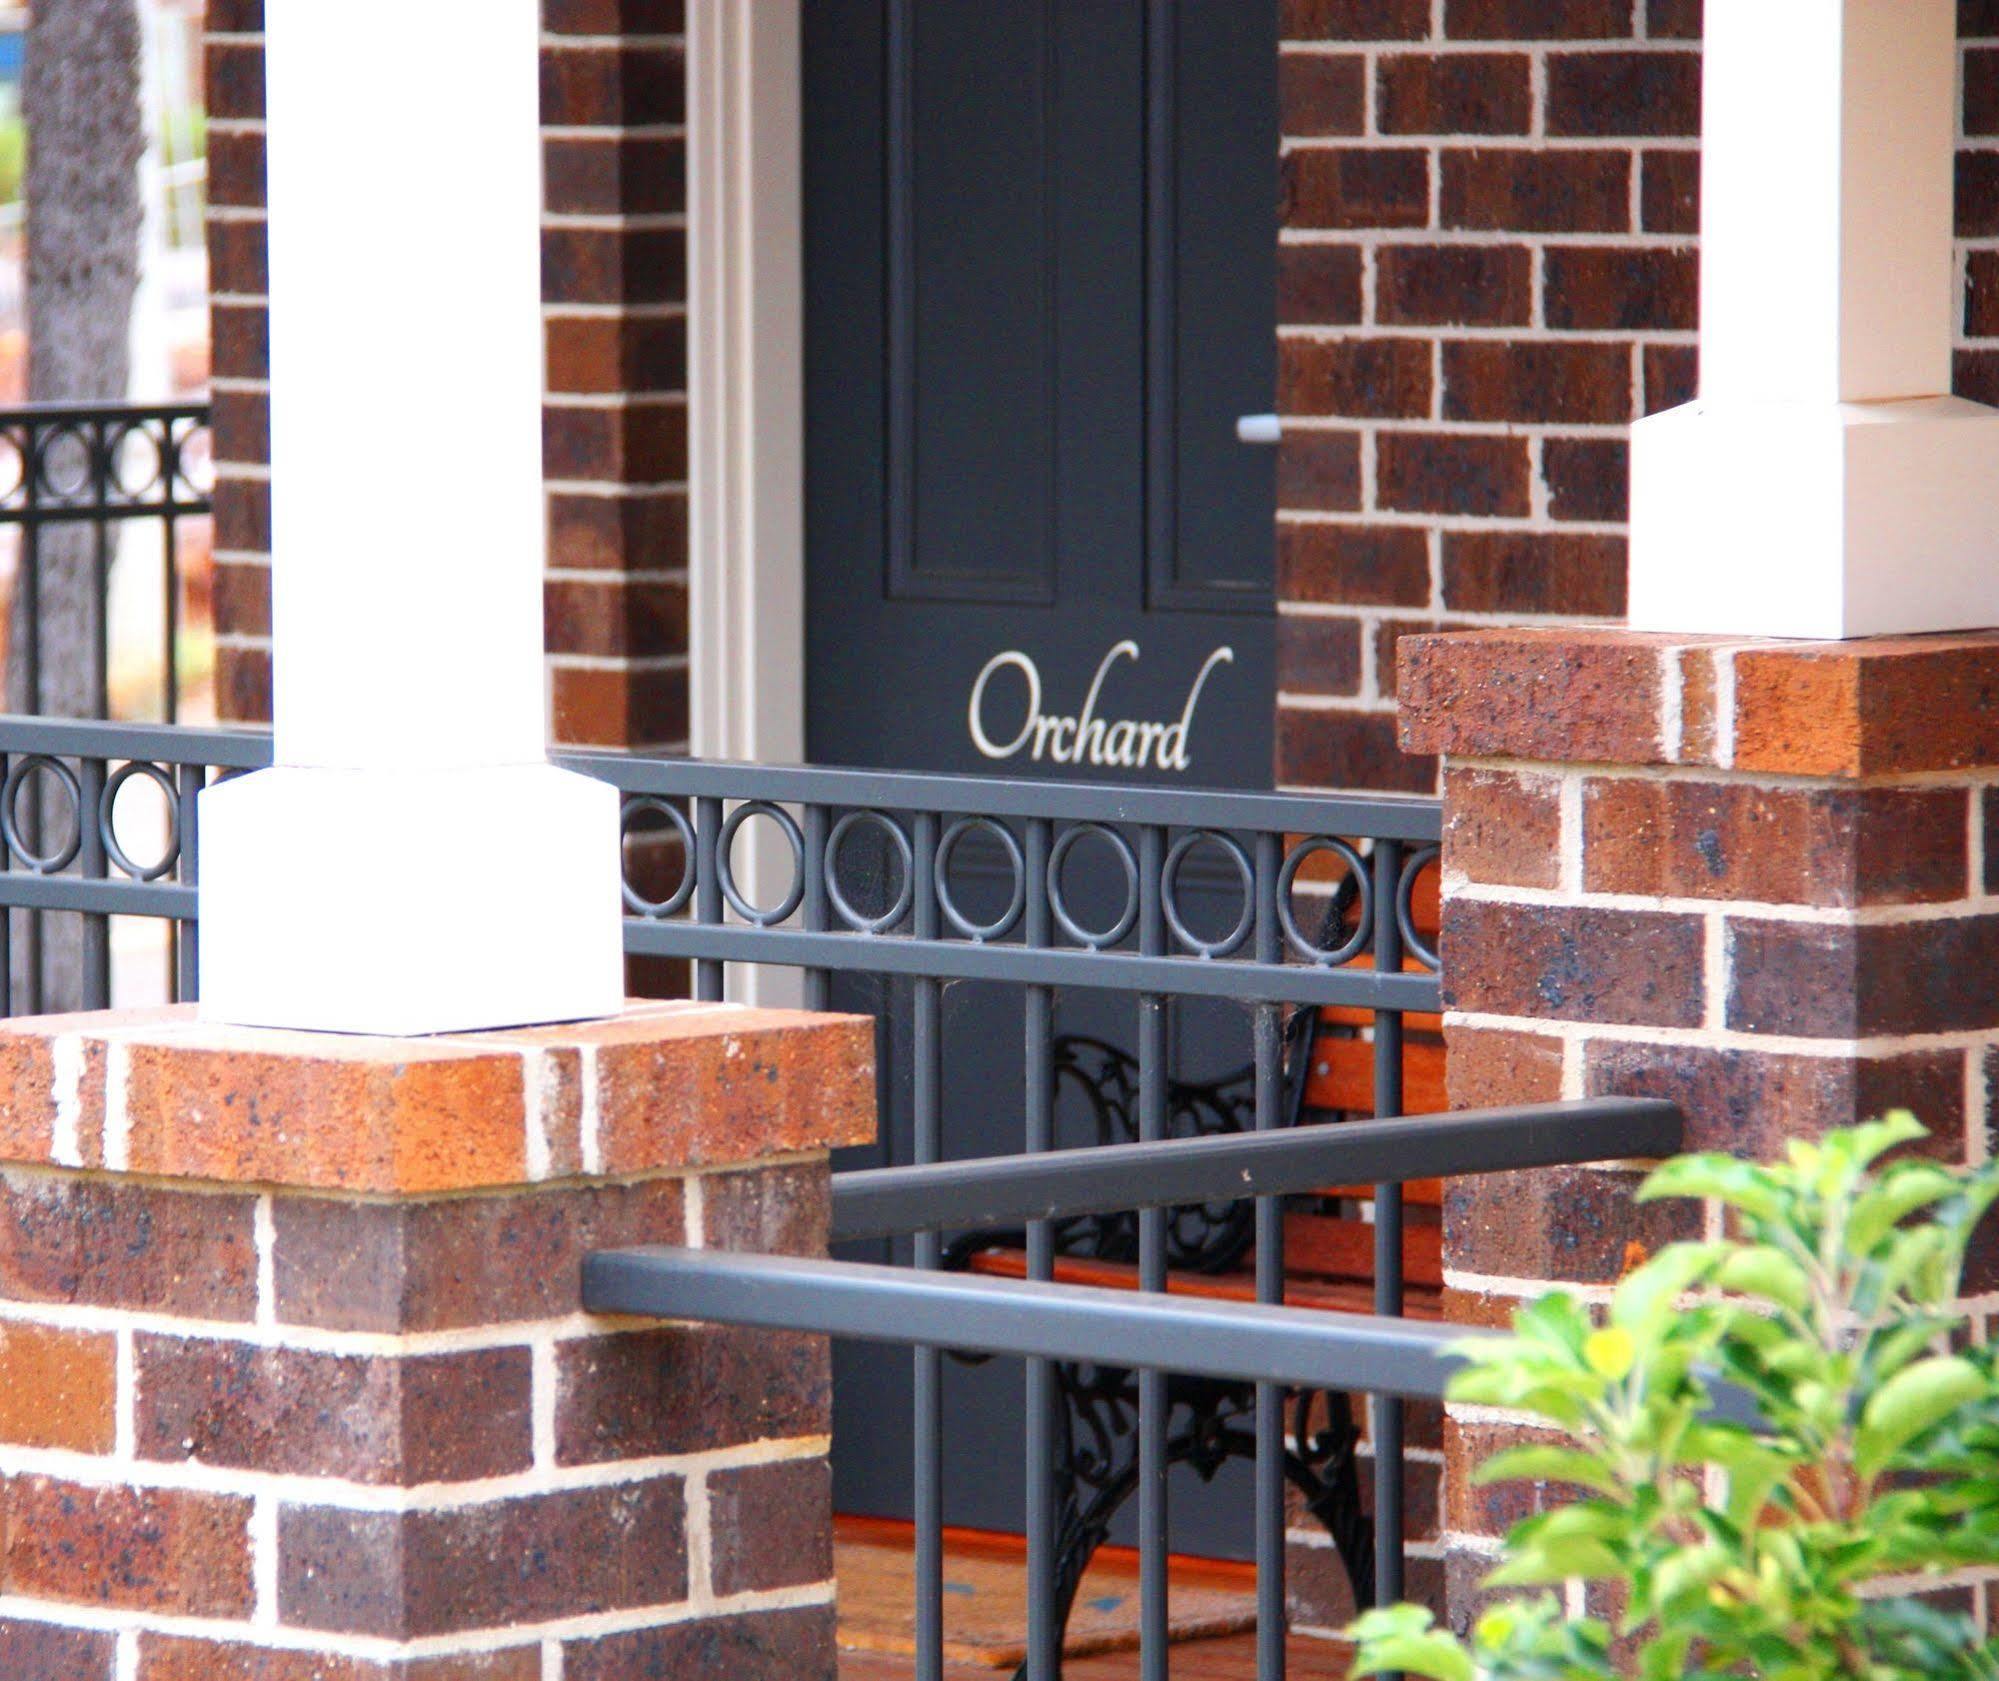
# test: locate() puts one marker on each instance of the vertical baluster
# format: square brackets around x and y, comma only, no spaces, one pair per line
[100,569]
[187,935]
[708,892]
[1153,1074]
[6,916]
[28,603]
[93,866]
[1044,1632]
[170,653]
[1388,1482]
[929,1432]
[1269,1053]
[818,908]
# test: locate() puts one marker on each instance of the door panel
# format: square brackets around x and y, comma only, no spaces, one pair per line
[1040,277]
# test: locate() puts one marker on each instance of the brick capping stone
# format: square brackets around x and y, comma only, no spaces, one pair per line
[295,1381]
[1753,878]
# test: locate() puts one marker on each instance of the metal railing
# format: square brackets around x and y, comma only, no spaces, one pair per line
[1322,914]
[74,480]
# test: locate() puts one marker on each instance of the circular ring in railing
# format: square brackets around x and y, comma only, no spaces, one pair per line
[726,870]
[189,457]
[1169,894]
[651,805]
[13,467]
[1405,916]
[906,897]
[1000,928]
[63,464]
[107,820]
[42,863]
[121,481]
[1356,943]
[1059,906]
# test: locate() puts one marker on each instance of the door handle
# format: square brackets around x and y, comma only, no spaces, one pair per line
[1259,429]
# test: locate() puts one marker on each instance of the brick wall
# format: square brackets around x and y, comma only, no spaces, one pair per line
[1755,879]
[294,1380]
[615,418]
[1489,267]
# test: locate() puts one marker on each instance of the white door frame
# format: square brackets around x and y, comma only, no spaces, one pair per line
[746,416]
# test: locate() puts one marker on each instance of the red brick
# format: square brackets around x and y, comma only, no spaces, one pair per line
[1738,841]
[613,266]
[1319,471]
[1318,656]
[1975,374]
[1573,963]
[242,597]
[1455,93]
[242,339]
[58,1388]
[772,1526]
[1977,195]
[642,1394]
[1353,565]
[1751,1102]
[47,1652]
[1336,749]
[1320,94]
[1673,20]
[1532,20]
[1589,695]
[242,421]
[759,1646]
[494,1565]
[1622,289]
[597,707]
[1564,1225]
[1491,1509]
[1503,828]
[1355,187]
[1587,478]
[1534,572]
[1670,192]
[1318,285]
[1353,20]
[1827,980]
[236,169]
[243,685]
[613,17]
[614,618]
[1388,633]
[1449,473]
[360,1418]
[616,355]
[1454,285]
[1672,377]
[233,79]
[643,443]
[165,1658]
[1500,1068]
[1561,384]
[1981,92]
[1641,93]
[103,1243]
[1981,294]
[768,1210]
[439,1265]
[171,1551]
[1524,191]
[242,515]
[614,174]
[612,84]
[623,530]
[1369,378]
[238,258]
[234,17]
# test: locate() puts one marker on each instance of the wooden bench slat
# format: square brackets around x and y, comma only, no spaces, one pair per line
[1341,1077]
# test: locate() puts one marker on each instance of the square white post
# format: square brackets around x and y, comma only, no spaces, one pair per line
[1825,484]
[413,864]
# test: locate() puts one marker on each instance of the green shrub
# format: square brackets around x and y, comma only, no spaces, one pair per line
[1795,1545]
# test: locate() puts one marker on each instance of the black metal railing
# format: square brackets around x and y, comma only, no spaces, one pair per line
[1320,899]
[77,482]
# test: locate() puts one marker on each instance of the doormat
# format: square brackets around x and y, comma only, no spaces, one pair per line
[985,1603]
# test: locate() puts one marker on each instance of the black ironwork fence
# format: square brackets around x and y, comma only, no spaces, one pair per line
[79,483]
[1318,909]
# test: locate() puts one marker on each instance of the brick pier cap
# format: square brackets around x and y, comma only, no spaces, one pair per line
[1759,879]
[295,1383]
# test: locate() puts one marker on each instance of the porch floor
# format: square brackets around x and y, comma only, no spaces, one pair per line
[1231,1658]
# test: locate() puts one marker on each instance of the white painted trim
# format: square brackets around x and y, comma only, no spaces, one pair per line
[746,419]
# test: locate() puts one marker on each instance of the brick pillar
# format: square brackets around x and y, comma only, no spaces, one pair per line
[614,291]
[295,1384]
[1758,879]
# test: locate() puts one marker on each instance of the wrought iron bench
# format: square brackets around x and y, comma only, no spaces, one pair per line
[1329,1247]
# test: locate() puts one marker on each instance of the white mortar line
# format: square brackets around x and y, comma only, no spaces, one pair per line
[694,1213]
[66,1062]
[126,1661]
[1714,971]
[264,1225]
[1977,1107]
[117,1111]
[1569,808]
[700,1544]
[551,1660]
[1742,910]
[1974,842]
[1734,1039]
[587,1088]
[264,1560]
[535,1069]
[1672,705]
[545,1382]
[1724,707]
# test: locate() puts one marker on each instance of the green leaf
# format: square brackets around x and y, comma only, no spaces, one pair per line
[1765,1271]
[1909,1403]
[1548,1464]
[1904,1189]
[1560,1560]
[1645,1300]
[1404,1638]
[1717,1178]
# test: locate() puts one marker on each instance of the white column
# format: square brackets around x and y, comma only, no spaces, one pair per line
[1825,484]
[413,864]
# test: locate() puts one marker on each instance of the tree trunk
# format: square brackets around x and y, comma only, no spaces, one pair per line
[80,97]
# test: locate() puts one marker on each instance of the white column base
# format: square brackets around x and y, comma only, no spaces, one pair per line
[405,902]
[1822,522]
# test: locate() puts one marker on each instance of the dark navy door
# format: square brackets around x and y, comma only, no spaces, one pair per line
[1040,252]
